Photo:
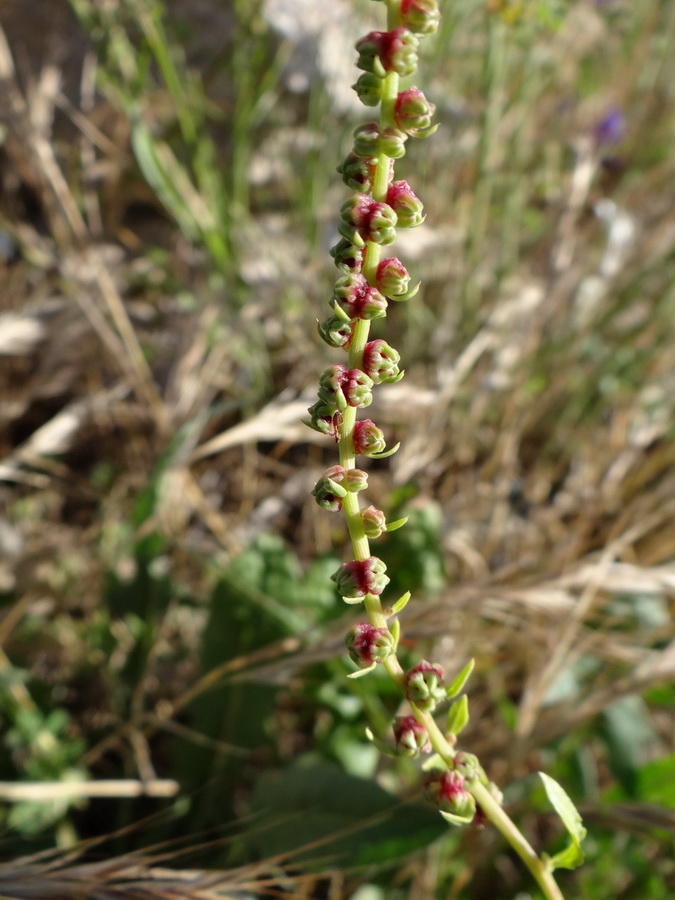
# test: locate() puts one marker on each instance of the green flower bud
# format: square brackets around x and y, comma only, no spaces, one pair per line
[335,331]
[370,142]
[369,88]
[420,16]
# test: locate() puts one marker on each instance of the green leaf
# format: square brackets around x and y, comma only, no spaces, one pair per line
[458,715]
[456,686]
[572,856]
[317,811]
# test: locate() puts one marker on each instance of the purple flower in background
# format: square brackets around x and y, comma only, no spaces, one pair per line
[611,128]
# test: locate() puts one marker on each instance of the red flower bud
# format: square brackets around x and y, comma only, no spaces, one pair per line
[388,51]
[347,256]
[448,792]
[425,685]
[392,278]
[370,220]
[340,387]
[411,736]
[360,577]
[413,112]
[358,299]
[368,438]
[368,644]
[406,204]
[380,362]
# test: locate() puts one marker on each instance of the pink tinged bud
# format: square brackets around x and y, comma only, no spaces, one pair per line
[374,522]
[398,52]
[448,792]
[369,88]
[392,278]
[368,645]
[380,362]
[340,387]
[371,221]
[358,299]
[411,736]
[420,16]
[424,686]
[368,438]
[357,172]
[370,48]
[347,256]
[407,206]
[356,579]
[413,112]
[336,332]
[334,485]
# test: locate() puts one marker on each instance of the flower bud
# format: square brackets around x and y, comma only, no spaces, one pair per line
[358,299]
[357,172]
[447,791]
[413,112]
[370,142]
[368,438]
[374,522]
[335,332]
[424,685]
[328,492]
[380,362]
[411,736]
[323,419]
[360,577]
[392,278]
[370,220]
[420,16]
[388,51]
[369,88]
[347,256]
[368,644]
[334,485]
[406,204]
[340,387]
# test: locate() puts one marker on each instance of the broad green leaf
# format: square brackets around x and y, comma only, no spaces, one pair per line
[572,856]
[317,811]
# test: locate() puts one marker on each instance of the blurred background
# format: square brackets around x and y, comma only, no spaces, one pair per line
[169,635]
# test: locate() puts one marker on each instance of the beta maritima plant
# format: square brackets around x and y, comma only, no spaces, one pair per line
[369,280]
